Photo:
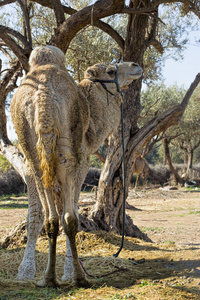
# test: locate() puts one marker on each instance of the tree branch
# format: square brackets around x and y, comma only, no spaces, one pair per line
[190,5]
[82,18]
[9,74]
[7,54]
[127,10]
[17,50]
[100,157]
[59,12]
[189,93]
[26,20]
[19,36]
[13,82]
[13,155]
[99,24]
[157,45]
[67,9]
[3,94]
[158,124]
[5,2]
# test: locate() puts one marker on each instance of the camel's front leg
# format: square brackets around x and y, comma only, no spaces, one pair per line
[35,219]
[70,224]
[68,266]
[80,177]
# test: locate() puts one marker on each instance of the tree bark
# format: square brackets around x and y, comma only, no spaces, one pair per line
[190,160]
[177,178]
[107,212]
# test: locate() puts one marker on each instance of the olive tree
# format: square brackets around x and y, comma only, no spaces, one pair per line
[143,33]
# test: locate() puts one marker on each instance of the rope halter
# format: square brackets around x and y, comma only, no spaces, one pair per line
[115,80]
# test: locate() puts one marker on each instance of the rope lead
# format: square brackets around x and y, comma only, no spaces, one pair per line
[101,81]
[124,185]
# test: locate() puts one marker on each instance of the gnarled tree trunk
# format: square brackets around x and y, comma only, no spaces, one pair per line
[107,213]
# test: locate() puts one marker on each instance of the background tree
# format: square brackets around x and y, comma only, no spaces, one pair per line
[184,137]
[143,34]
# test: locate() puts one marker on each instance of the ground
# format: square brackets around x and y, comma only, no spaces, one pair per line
[167,268]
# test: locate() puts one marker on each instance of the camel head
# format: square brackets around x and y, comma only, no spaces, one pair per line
[46,55]
[125,73]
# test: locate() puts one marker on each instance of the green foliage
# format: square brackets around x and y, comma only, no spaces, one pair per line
[187,131]
[91,46]
[159,98]
[184,136]
[4,164]
[174,31]
[42,24]
[95,162]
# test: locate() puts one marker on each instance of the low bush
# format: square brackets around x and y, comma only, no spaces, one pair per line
[11,183]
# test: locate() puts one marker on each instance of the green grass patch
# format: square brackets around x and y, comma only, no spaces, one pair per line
[32,294]
[194,212]
[148,229]
[13,201]
[169,243]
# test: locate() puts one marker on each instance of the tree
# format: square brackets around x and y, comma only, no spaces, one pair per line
[188,138]
[142,33]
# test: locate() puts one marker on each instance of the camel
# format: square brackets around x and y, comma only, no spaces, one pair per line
[59,125]
[141,167]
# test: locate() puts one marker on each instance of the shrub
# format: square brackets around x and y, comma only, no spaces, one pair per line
[11,183]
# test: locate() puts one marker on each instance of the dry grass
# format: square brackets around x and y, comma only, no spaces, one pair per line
[143,270]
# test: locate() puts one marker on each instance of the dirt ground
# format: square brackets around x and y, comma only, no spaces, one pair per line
[168,268]
[165,215]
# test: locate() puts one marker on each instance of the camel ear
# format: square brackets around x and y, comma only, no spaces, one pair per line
[91,72]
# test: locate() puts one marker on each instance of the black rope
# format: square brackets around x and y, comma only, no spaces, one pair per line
[104,86]
[124,185]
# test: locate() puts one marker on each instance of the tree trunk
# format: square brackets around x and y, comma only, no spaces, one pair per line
[190,159]
[185,158]
[177,178]
[107,212]
[164,155]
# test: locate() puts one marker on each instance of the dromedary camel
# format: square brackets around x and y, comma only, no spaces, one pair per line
[59,124]
[141,167]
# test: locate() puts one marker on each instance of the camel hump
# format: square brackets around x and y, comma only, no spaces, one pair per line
[47,127]
[46,55]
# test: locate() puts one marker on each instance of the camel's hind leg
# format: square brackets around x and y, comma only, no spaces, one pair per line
[137,180]
[35,220]
[51,227]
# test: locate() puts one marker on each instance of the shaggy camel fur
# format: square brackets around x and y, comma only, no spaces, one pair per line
[141,167]
[59,124]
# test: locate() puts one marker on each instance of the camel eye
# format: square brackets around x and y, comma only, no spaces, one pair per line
[111,72]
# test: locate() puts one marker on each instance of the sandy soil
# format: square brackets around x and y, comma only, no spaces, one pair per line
[165,215]
[167,269]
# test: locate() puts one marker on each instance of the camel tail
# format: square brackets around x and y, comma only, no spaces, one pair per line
[47,128]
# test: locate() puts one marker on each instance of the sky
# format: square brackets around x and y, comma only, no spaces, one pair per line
[183,72]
